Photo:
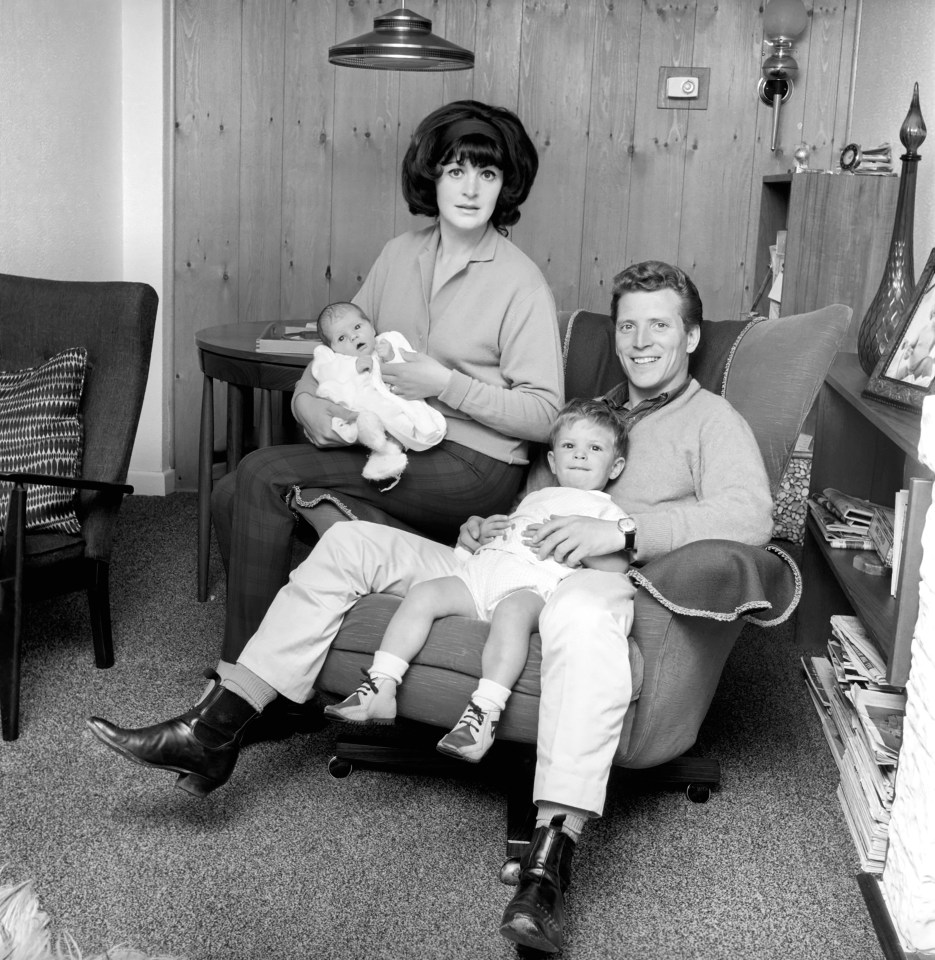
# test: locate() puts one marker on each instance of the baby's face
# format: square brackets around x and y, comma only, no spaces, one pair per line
[583,456]
[352,335]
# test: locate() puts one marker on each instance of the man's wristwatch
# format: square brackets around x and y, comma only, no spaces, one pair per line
[627,526]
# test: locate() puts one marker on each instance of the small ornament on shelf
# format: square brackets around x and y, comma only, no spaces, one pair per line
[878,161]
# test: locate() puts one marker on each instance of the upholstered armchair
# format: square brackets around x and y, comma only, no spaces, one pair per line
[74,358]
[771,370]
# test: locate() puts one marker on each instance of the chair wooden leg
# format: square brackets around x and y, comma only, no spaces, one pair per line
[99,604]
[520,810]
[11,612]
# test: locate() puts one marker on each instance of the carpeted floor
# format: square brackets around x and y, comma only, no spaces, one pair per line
[287,863]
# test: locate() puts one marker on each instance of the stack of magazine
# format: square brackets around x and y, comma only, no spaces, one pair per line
[851,523]
[862,719]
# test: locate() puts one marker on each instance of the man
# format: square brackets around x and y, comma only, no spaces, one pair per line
[694,473]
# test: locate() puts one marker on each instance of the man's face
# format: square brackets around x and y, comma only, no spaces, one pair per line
[651,342]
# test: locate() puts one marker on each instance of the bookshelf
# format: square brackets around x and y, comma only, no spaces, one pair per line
[869,450]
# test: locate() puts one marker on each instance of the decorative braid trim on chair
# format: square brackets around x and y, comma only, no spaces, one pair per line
[733,350]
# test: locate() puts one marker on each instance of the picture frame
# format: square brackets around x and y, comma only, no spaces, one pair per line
[905,374]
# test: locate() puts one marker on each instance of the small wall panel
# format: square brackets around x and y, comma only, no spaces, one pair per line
[365,172]
[207,191]
[822,69]
[666,39]
[555,82]
[308,138]
[261,160]
[719,159]
[610,142]
[498,41]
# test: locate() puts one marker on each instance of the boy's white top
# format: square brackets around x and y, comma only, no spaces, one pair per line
[540,506]
[415,424]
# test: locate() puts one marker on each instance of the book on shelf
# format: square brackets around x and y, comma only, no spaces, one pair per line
[881,533]
[289,338]
[835,532]
[899,535]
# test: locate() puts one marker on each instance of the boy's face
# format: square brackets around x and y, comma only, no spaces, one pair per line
[583,456]
[352,335]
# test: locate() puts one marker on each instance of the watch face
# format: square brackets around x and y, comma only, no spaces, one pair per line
[850,156]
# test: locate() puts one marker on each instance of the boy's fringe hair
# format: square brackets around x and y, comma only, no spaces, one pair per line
[598,412]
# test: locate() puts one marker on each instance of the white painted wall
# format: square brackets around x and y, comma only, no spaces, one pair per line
[897,38]
[81,148]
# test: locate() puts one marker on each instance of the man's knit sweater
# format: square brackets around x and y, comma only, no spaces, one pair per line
[694,472]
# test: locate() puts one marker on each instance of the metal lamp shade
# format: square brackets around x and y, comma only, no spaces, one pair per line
[401,40]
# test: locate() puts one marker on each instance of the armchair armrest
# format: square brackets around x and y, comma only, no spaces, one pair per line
[724,580]
[74,483]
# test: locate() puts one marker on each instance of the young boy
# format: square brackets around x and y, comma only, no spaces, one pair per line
[347,369]
[504,582]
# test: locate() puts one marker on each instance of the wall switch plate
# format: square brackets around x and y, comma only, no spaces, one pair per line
[683,88]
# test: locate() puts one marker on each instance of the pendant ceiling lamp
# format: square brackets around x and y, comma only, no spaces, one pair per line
[401,40]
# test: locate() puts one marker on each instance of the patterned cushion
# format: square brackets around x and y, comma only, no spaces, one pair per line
[40,433]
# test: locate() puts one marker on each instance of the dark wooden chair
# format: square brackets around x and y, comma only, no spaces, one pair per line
[114,322]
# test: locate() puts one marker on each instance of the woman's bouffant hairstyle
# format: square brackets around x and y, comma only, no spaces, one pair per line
[652,275]
[509,148]
[598,412]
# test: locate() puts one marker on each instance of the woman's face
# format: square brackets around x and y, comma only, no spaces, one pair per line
[467,195]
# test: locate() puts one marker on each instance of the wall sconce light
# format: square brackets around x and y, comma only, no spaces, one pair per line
[401,40]
[783,21]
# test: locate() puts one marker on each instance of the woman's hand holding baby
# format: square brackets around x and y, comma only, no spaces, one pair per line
[419,377]
[316,415]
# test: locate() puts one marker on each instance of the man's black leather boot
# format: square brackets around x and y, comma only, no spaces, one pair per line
[535,915]
[201,745]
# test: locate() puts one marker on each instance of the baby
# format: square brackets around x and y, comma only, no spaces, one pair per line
[347,369]
[505,583]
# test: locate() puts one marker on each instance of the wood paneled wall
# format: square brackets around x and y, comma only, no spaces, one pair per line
[286,168]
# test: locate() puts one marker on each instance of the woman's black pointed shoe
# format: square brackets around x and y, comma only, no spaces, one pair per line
[201,745]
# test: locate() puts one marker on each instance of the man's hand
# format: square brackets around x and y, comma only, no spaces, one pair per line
[315,415]
[476,531]
[419,377]
[571,540]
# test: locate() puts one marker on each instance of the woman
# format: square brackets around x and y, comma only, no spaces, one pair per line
[482,320]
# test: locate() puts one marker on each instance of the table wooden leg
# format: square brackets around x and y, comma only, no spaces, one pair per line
[205,483]
[266,420]
[235,418]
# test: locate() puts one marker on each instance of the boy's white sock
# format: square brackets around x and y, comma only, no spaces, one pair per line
[388,665]
[490,695]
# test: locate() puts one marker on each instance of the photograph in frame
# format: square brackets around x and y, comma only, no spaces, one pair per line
[905,373]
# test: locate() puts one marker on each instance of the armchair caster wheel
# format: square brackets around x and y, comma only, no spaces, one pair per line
[340,769]
[509,872]
[698,792]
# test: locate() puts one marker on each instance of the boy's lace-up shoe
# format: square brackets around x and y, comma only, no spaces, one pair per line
[472,736]
[374,701]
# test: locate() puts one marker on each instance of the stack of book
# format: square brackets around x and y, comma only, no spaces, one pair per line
[850,523]
[862,718]
[289,338]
